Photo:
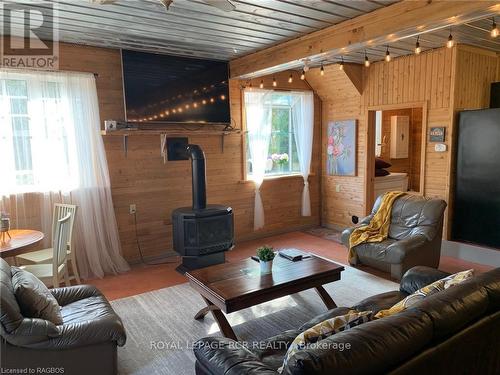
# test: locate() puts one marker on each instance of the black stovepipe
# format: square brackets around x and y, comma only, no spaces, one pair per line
[197,157]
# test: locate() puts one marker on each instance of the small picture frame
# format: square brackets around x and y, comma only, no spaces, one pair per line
[437,134]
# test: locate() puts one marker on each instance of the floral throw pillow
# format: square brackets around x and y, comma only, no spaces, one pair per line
[326,328]
[426,291]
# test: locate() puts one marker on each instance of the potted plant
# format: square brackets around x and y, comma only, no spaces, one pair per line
[266,256]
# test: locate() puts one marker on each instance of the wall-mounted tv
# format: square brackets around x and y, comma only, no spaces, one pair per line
[163,88]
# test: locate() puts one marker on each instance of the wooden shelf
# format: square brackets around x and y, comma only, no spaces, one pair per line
[185,132]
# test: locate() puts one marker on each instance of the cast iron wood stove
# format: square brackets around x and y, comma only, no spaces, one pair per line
[201,233]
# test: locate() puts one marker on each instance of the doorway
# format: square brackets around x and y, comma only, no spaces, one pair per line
[395,149]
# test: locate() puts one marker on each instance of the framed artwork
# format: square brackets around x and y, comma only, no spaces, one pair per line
[341,149]
[437,134]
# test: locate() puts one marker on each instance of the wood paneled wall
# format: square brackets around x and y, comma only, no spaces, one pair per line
[439,78]
[156,188]
[340,101]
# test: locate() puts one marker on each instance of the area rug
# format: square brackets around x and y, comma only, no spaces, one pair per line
[161,329]
[326,233]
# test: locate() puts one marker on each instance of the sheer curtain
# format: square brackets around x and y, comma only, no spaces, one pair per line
[258,123]
[52,152]
[303,125]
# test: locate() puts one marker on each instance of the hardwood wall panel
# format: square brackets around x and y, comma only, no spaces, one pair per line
[445,79]
[401,82]
[341,101]
[156,188]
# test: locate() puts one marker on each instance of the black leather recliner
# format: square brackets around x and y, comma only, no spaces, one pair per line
[454,331]
[86,342]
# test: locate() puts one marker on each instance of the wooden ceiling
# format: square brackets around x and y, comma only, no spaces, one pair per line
[194,28]
[476,33]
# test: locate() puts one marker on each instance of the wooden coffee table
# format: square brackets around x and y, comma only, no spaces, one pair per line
[234,286]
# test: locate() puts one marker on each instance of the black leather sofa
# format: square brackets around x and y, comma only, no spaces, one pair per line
[86,342]
[455,331]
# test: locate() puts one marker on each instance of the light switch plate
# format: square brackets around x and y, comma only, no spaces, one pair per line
[440,147]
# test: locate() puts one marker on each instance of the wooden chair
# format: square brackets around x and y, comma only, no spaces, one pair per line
[46,256]
[51,274]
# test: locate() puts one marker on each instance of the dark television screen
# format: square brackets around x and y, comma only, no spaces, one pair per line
[162,88]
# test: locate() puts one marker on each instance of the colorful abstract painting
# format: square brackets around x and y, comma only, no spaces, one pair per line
[341,148]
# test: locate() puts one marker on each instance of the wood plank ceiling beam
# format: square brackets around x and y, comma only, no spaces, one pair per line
[382,26]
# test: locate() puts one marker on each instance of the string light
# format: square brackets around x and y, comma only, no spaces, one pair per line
[367,62]
[450,43]
[322,70]
[417,46]
[303,75]
[203,102]
[212,100]
[195,105]
[341,66]
[274,82]
[223,97]
[494,29]
[387,55]
[290,78]
[261,84]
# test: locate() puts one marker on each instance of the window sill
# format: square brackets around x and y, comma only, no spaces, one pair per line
[278,177]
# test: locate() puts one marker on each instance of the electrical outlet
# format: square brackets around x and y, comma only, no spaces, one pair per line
[132,209]
[337,188]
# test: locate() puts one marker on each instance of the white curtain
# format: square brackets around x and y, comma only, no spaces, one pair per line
[258,122]
[51,152]
[303,126]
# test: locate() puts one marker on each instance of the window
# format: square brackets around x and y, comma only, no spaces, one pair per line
[37,136]
[282,155]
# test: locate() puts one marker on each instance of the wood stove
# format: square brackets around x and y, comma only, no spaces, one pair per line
[201,233]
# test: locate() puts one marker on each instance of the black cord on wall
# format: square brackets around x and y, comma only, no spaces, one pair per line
[140,249]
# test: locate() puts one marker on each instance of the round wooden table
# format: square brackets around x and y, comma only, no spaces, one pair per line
[21,241]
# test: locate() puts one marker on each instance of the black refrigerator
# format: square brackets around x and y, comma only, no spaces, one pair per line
[476,208]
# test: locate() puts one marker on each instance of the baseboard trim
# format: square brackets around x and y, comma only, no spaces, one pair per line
[338,227]
[258,235]
[471,253]
[153,258]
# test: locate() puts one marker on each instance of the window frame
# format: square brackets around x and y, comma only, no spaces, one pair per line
[39,132]
[270,176]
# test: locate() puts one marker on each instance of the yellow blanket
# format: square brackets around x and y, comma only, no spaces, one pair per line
[378,228]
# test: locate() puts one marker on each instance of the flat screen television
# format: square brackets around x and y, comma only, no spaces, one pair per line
[162,88]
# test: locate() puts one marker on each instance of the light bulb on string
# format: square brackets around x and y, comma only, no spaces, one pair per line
[494,29]
[387,55]
[417,46]
[450,43]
